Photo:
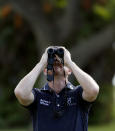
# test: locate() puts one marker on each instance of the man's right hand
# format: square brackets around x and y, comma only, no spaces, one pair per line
[44,58]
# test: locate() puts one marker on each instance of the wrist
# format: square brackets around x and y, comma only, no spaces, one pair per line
[69,63]
[42,65]
[73,66]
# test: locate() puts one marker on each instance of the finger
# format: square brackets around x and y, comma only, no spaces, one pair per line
[48,48]
[63,47]
[58,58]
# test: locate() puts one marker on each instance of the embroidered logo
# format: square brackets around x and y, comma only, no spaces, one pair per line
[70,101]
[44,102]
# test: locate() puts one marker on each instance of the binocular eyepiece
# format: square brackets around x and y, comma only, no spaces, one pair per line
[55,51]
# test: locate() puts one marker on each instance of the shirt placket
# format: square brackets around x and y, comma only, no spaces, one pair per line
[58,103]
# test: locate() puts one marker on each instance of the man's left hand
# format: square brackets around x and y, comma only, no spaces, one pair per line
[67,56]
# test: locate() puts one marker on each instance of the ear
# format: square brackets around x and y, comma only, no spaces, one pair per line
[45,71]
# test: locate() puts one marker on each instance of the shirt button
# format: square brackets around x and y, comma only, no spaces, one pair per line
[58,105]
[58,96]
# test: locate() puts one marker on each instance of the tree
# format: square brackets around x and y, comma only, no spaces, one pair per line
[49,29]
[53,23]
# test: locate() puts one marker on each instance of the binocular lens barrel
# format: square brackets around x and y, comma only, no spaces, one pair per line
[50,51]
[51,58]
[60,51]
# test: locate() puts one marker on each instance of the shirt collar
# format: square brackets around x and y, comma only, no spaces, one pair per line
[47,88]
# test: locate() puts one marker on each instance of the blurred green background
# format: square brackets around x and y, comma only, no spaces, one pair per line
[85,27]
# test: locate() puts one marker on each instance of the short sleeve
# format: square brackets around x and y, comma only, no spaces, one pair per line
[84,105]
[33,105]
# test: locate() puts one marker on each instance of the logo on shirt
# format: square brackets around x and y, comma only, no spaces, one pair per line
[44,102]
[70,101]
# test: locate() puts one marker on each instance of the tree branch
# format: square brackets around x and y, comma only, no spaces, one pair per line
[70,19]
[88,48]
[3,2]
[32,11]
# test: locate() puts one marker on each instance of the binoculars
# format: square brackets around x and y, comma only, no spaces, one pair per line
[51,59]
[55,51]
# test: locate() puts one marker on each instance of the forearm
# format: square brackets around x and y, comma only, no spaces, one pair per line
[25,86]
[90,87]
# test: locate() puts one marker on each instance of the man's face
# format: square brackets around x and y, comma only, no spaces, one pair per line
[59,68]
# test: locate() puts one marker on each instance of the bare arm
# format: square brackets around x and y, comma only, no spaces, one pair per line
[89,85]
[23,90]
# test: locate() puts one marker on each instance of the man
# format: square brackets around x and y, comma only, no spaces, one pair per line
[58,106]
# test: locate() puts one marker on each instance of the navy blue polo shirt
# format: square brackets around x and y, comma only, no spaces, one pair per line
[50,113]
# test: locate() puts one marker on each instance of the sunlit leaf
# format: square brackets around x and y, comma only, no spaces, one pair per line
[18,21]
[61,3]
[102,12]
[47,7]
[5,11]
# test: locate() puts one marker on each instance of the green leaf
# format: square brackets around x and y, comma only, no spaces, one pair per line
[61,3]
[102,12]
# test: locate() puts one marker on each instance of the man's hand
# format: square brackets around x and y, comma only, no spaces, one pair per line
[44,58]
[67,57]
